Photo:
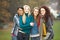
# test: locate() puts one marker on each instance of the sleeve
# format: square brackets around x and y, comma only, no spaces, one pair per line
[13,25]
[16,20]
[49,25]
[50,29]
[24,26]
[50,22]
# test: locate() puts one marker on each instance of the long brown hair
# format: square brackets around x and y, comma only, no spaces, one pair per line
[47,14]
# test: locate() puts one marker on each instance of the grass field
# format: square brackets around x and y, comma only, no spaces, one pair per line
[56,28]
[5,34]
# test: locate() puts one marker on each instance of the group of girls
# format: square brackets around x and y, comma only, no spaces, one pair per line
[32,25]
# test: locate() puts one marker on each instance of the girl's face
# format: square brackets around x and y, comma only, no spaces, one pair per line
[20,11]
[35,12]
[43,11]
[26,10]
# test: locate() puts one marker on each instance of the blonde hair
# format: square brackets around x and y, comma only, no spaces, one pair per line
[27,6]
[24,16]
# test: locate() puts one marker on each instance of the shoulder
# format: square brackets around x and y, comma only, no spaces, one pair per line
[16,15]
[31,15]
[50,21]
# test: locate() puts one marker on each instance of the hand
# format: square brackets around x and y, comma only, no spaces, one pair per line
[47,36]
[31,24]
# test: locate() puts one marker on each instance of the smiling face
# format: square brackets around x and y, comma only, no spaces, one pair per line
[26,8]
[35,12]
[43,11]
[20,11]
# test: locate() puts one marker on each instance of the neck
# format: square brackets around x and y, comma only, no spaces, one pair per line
[26,14]
[42,16]
[34,17]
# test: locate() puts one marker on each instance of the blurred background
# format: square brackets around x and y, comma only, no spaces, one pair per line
[8,9]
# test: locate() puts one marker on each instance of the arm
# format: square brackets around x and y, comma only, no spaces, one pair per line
[16,20]
[13,25]
[24,26]
[49,25]
[50,29]
[27,25]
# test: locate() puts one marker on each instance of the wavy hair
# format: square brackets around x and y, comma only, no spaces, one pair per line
[37,17]
[47,14]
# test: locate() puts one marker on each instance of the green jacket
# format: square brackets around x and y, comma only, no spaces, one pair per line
[26,27]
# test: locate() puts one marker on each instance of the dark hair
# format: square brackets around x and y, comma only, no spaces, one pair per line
[21,8]
[47,14]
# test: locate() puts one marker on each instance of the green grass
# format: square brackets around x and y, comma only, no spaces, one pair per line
[5,34]
[56,28]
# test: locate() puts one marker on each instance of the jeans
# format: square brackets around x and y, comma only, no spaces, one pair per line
[14,37]
[22,36]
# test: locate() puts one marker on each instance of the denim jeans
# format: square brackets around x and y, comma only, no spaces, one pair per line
[22,36]
[14,37]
